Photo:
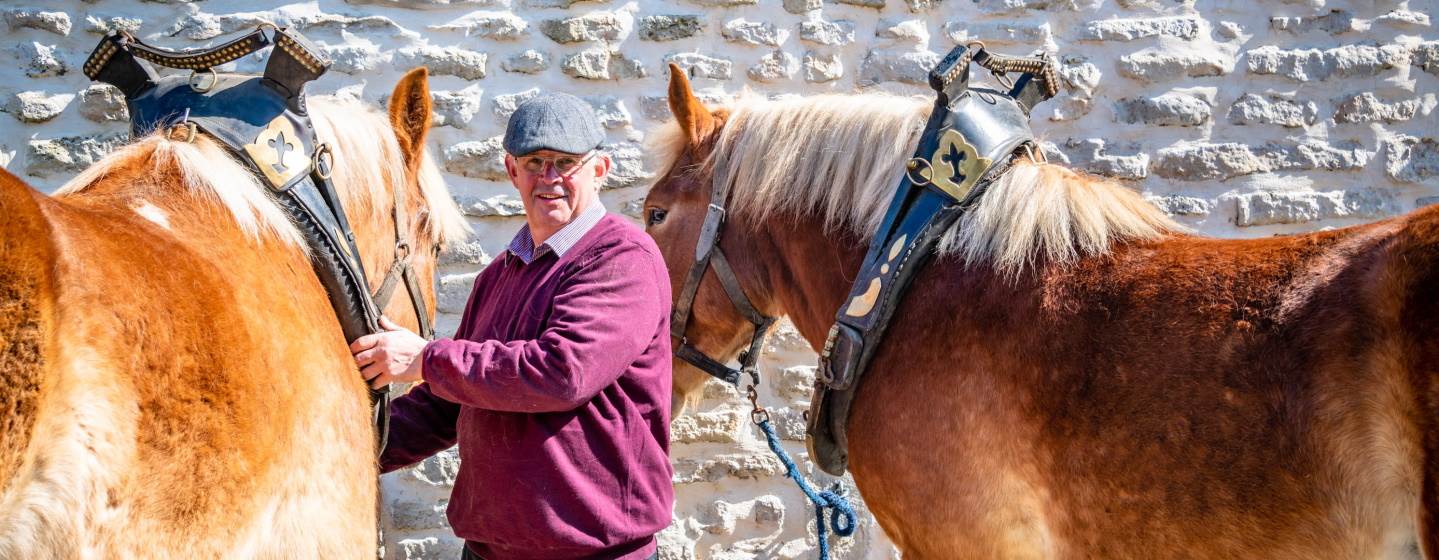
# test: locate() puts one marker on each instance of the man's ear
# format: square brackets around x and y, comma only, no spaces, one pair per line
[510,167]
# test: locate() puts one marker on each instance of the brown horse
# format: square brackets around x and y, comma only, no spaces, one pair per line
[1074,376]
[173,382]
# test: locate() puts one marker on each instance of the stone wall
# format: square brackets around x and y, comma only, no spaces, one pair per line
[1243,118]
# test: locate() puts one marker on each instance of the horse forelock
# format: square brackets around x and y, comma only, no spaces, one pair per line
[840,157]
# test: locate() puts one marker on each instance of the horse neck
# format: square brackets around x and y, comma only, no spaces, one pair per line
[810,271]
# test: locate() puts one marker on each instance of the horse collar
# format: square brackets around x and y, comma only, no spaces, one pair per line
[264,123]
[971,138]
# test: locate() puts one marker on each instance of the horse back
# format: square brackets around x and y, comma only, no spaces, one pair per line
[201,405]
[27,301]
[1184,397]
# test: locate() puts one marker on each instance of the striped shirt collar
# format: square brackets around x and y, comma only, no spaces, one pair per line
[523,245]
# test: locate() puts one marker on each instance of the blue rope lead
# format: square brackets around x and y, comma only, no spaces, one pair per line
[829,499]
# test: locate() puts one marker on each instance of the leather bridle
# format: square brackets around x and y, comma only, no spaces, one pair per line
[707,253]
[400,269]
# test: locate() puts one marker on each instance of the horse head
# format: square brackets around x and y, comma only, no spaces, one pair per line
[674,213]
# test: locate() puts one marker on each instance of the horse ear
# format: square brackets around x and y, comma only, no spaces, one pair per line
[694,119]
[410,113]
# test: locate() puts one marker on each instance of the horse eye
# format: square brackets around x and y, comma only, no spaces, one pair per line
[654,216]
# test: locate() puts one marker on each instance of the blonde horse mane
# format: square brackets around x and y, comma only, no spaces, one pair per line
[840,157]
[364,147]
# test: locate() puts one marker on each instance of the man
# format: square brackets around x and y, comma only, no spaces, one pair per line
[557,383]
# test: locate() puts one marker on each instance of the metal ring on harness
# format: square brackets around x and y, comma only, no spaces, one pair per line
[915,173]
[196,85]
[325,166]
[188,127]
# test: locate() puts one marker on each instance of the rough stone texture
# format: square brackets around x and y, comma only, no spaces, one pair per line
[1079,78]
[628,159]
[205,26]
[602,64]
[773,67]
[444,61]
[424,4]
[1340,98]
[34,18]
[1412,160]
[754,33]
[1020,7]
[802,6]
[1366,107]
[723,466]
[1179,205]
[910,67]
[1266,208]
[832,33]
[1097,156]
[39,60]
[1183,27]
[1272,109]
[908,30]
[1225,161]
[595,26]
[454,292]
[456,108]
[1426,57]
[503,205]
[69,154]
[876,4]
[498,26]
[482,159]
[723,3]
[702,66]
[340,22]
[707,427]
[356,59]
[1404,18]
[610,111]
[102,24]
[103,103]
[1003,32]
[36,106]
[1157,66]
[1169,109]
[505,105]
[1334,22]
[1306,65]
[670,27]
[821,68]
[467,252]
[528,62]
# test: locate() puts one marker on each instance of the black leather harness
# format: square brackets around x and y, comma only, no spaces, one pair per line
[263,121]
[970,139]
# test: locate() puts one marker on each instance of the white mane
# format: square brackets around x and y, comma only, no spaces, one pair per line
[364,147]
[840,157]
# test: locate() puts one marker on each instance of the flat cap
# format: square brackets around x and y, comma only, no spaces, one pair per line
[553,121]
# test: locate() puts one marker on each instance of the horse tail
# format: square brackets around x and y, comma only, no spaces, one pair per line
[27,303]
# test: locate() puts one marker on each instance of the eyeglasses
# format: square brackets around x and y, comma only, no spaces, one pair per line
[565,165]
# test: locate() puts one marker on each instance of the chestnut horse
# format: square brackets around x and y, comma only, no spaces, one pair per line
[1074,376]
[173,382]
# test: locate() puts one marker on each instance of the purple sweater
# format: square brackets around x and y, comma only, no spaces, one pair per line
[557,388]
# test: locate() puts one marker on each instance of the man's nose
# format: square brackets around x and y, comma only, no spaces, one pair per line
[551,175]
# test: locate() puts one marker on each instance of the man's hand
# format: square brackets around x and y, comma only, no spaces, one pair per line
[389,357]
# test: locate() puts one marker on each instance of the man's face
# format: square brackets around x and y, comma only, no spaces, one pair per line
[552,195]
